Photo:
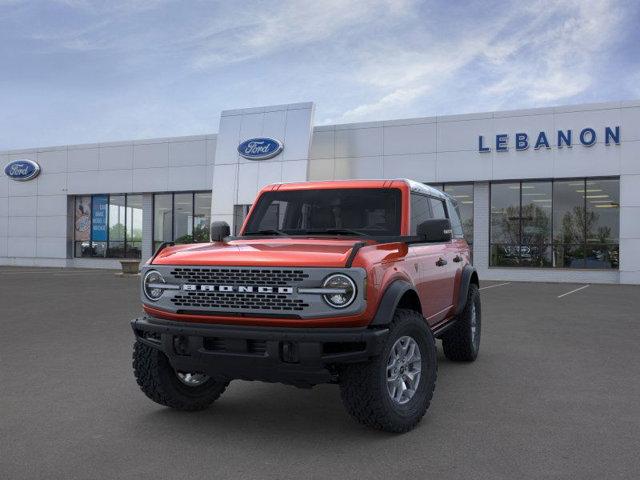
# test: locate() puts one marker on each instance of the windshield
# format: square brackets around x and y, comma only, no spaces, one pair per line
[351,211]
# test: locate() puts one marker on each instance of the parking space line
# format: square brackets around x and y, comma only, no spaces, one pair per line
[496,285]
[573,291]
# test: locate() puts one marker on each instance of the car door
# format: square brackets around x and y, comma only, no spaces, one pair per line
[430,279]
[445,265]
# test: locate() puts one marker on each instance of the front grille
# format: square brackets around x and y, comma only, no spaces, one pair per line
[239,276]
[241,301]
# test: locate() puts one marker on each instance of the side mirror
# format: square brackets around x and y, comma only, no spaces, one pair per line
[435,230]
[219,230]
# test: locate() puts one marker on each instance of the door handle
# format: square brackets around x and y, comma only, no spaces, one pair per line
[457,258]
[441,262]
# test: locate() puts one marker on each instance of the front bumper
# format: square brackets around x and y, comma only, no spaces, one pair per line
[297,356]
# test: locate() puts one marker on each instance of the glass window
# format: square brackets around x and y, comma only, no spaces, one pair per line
[108,226]
[505,223]
[454,217]
[134,226]
[463,195]
[117,219]
[369,211]
[535,243]
[420,211]
[563,224]
[183,218]
[569,223]
[603,223]
[437,208]
[162,219]
[201,217]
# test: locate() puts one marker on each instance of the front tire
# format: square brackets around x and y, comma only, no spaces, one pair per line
[162,384]
[462,342]
[378,393]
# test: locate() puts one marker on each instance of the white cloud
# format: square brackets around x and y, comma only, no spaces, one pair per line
[542,52]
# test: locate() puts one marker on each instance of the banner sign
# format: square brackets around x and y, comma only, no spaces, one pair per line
[83,219]
[99,218]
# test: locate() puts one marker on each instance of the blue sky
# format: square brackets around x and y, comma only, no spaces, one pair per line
[76,71]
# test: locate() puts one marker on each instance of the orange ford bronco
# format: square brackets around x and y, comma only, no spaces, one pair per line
[346,282]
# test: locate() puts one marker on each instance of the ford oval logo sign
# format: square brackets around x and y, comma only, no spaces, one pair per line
[22,170]
[260,148]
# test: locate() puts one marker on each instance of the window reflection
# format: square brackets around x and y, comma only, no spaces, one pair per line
[108,226]
[183,217]
[564,224]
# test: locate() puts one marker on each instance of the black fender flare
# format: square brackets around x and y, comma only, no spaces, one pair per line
[468,274]
[389,302]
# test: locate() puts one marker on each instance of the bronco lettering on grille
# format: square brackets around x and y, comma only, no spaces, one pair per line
[238,289]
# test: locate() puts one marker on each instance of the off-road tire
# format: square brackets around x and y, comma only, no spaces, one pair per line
[159,381]
[459,343]
[363,386]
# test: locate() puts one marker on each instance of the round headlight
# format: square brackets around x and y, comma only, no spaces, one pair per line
[152,285]
[344,291]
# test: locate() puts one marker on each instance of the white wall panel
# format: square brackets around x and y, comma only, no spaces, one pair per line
[83,159]
[463,135]
[321,169]
[294,171]
[118,157]
[322,144]
[52,226]
[358,168]
[247,182]
[297,136]
[225,182]
[21,246]
[358,142]
[188,178]
[22,206]
[188,153]
[51,247]
[420,138]
[52,161]
[115,181]
[52,183]
[151,155]
[420,167]
[150,180]
[463,166]
[270,172]
[630,157]
[22,227]
[51,205]
[630,124]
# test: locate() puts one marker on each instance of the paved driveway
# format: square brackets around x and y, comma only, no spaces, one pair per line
[555,393]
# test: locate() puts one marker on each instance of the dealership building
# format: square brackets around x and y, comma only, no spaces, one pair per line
[547,194]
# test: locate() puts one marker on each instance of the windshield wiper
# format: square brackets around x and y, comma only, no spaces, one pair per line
[338,231]
[267,232]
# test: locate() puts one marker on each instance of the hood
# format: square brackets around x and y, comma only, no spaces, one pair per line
[273,252]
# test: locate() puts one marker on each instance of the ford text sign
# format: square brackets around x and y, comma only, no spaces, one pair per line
[260,148]
[22,170]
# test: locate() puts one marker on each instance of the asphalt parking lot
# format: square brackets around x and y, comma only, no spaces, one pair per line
[555,393]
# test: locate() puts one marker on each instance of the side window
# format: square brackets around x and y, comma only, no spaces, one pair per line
[454,215]
[420,211]
[437,206]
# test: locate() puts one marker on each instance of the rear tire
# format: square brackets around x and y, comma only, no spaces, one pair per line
[462,342]
[161,383]
[364,386]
